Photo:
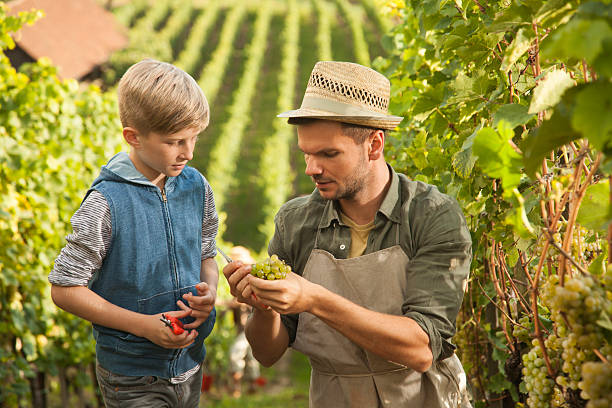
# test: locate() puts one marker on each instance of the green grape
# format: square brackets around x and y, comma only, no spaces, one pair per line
[596,384]
[537,382]
[575,309]
[272,268]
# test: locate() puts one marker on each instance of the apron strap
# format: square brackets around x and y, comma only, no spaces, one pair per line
[397,226]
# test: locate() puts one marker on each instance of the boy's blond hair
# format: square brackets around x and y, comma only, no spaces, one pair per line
[158,97]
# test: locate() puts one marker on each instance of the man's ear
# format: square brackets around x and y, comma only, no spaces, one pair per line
[131,136]
[376,144]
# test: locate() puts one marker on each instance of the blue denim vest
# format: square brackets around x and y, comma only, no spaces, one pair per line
[153,260]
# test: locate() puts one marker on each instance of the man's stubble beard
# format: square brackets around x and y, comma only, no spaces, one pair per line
[354,183]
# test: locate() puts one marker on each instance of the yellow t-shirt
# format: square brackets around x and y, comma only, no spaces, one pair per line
[359,235]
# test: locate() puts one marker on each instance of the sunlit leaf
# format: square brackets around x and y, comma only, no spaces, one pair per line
[595,212]
[553,133]
[518,47]
[578,39]
[496,157]
[513,113]
[592,116]
[549,90]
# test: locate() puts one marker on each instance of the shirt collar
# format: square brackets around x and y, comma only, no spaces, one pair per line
[390,207]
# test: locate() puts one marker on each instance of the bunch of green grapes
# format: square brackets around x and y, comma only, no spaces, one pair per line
[596,384]
[552,251]
[535,377]
[575,309]
[523,332]
[585,243]
[271,268]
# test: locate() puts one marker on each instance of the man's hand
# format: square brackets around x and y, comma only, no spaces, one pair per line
[200,306]
[238,276]
[157,332]
[293,294]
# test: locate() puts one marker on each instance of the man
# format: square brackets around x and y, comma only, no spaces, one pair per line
[379,261]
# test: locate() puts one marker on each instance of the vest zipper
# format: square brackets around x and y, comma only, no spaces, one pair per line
[177,353]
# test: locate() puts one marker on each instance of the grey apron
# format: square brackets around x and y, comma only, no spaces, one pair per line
[344,374]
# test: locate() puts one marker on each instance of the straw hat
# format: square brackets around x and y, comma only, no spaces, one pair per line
[346,92]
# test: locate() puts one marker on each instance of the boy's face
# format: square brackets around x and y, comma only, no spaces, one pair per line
[156,154]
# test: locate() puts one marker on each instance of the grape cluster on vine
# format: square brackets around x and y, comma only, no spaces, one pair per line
[537,382]
[596,384]
[575,309]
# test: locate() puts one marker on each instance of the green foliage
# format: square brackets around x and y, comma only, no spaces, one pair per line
[53,138]
[354,16]
[275,165]
[595,212]
[223,156]
[325,11]
[496,158]
[212,73]
[191,53]
[506,108]
[142,44]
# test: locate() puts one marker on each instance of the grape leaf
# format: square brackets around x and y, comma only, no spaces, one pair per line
[517,48]
[512,113]
[595,212]
[497,158]
[580,38]
[552,133]
[463,160]
[548,92]
[592,114]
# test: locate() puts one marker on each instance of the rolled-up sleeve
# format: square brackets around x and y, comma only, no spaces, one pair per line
[86,246]
[437,272]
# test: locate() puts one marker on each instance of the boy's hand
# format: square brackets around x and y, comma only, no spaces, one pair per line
[162,335]
[239,276]
[200,306]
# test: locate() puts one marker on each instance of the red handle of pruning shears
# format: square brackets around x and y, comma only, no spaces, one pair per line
[173,323]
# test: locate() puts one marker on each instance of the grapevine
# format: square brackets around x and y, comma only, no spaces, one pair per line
[211,76]
[53,139]
[191,53]
[274,166]
[354,16]
[224,153]
[325,11]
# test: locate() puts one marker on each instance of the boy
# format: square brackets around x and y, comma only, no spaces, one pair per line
[143,245]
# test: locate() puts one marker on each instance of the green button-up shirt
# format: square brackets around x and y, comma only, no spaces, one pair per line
[432,232]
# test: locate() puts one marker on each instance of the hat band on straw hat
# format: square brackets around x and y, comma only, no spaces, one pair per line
[346,92]
[337,108]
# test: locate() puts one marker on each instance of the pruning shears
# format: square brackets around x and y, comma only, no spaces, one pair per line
[224,255]
[229,260]
[173,323]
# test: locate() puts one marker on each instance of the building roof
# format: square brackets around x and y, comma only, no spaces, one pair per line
[77,35]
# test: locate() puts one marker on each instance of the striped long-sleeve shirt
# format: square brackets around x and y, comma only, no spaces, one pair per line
[87,245]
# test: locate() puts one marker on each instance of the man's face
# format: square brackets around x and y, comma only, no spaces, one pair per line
[165,154]
[335,163]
